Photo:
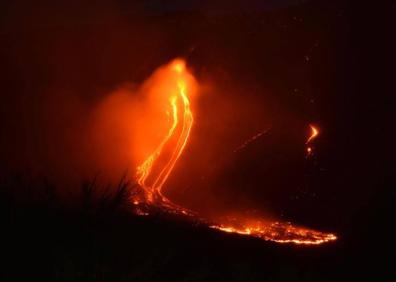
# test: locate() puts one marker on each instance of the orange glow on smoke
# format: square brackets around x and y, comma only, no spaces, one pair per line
[173,89]
[182,121]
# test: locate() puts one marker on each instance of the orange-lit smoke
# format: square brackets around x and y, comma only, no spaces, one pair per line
[169,91]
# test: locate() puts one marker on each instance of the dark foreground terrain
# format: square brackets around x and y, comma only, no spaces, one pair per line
[100,240]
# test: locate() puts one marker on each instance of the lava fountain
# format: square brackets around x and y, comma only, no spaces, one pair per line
[155,169]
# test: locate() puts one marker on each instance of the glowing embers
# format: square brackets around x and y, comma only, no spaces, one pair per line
[314,133]
[280,232]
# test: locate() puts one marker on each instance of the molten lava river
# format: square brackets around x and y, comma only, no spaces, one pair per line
[176,88]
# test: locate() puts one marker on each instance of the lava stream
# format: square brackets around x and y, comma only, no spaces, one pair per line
[152,180]
[313,135]
[145,169]
[280,232]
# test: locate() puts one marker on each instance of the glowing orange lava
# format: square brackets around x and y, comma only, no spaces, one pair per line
[179,96]
[314,134]
[280,232]
[153,172]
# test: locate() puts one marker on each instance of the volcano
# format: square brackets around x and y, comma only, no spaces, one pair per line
[175,87]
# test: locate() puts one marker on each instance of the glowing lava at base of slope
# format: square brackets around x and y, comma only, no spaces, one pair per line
[280,232]
[151,181]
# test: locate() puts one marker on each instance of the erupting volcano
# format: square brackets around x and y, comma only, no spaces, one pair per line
[176,88]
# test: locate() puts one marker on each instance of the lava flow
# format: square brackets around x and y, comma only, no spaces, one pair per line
[156,168]
[280,232]
[313,135]
[177,135]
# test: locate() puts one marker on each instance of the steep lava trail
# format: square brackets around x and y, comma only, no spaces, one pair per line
[153,172]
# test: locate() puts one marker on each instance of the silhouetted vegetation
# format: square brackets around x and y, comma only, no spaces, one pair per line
[98,238]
